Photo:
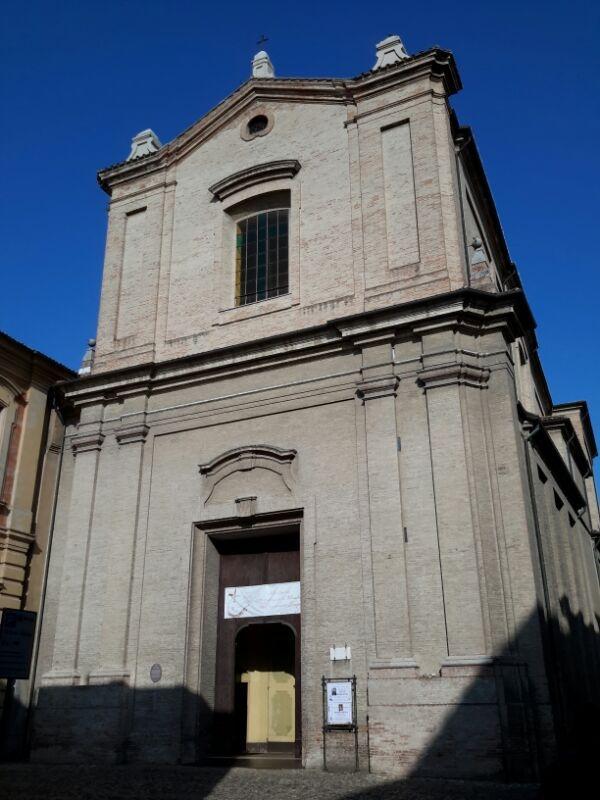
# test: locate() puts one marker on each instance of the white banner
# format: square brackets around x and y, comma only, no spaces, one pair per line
[264,600]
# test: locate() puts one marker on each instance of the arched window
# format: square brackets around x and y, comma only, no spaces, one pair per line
[262,256]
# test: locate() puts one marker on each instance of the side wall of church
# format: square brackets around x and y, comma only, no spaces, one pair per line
[417,551]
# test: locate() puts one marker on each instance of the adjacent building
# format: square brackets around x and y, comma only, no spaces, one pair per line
[316,442]
[31,439]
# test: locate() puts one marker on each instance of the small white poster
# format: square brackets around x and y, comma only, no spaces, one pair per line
[264,600]
[339,703]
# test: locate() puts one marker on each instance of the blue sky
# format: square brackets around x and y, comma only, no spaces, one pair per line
[79,79]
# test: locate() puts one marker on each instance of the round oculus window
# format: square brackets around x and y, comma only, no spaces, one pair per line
[257,124]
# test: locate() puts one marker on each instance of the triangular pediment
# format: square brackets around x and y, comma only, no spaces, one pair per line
[257,91]
[253,93]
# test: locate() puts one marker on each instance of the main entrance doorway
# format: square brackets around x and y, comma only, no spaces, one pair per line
[265,698]
[257,680]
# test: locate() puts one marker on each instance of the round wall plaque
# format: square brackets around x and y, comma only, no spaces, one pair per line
[155,673]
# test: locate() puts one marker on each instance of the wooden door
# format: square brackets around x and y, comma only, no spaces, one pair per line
[271,709]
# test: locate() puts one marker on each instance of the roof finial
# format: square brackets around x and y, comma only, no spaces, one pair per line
[390,51]
[144,143]
[87,363]
[261,64]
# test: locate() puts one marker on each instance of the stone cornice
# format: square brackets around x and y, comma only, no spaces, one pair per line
[376,388]
[280,521]
[130,434]
[453,373]
[16,540]
[436,62]
[260,173]
[469,310]
[86,441]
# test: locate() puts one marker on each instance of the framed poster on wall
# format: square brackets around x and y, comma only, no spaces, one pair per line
[339,711]
[340,702]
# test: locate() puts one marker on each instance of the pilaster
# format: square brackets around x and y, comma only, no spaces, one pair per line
[444,379]
[86,444]
[128,459]
[386,557]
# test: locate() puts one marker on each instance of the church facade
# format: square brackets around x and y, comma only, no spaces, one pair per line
[316,442]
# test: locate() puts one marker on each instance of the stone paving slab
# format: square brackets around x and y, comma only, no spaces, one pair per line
[40,782]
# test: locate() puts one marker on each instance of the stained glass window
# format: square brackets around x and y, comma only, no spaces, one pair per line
[262,256]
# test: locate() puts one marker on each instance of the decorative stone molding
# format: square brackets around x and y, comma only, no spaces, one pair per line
[262,66]
[86,442]
[245,506]
[242,459]
[468,661]
[450,374]
[260,173]
[87,363]
[246,132]
[144,143]
[390,51]
[129,434]
[378,387]
[394,663]
[60,677]
[108,676]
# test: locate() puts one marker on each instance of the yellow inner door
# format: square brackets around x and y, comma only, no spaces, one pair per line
[271,706]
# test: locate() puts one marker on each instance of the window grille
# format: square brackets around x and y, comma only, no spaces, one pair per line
[262,256]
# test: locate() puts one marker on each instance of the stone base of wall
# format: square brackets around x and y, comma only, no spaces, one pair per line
[80,724]
[469,722]
[458,726]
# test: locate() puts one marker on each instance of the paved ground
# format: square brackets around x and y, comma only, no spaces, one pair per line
[35,782]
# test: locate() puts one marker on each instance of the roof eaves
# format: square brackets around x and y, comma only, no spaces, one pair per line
[37,354]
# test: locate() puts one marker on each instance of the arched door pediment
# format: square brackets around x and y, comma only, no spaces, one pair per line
[247,458]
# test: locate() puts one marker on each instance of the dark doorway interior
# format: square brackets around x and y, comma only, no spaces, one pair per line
[258,673]
[265,696]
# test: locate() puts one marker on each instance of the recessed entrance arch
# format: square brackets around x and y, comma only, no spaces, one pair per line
[251,638]
[265,688]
